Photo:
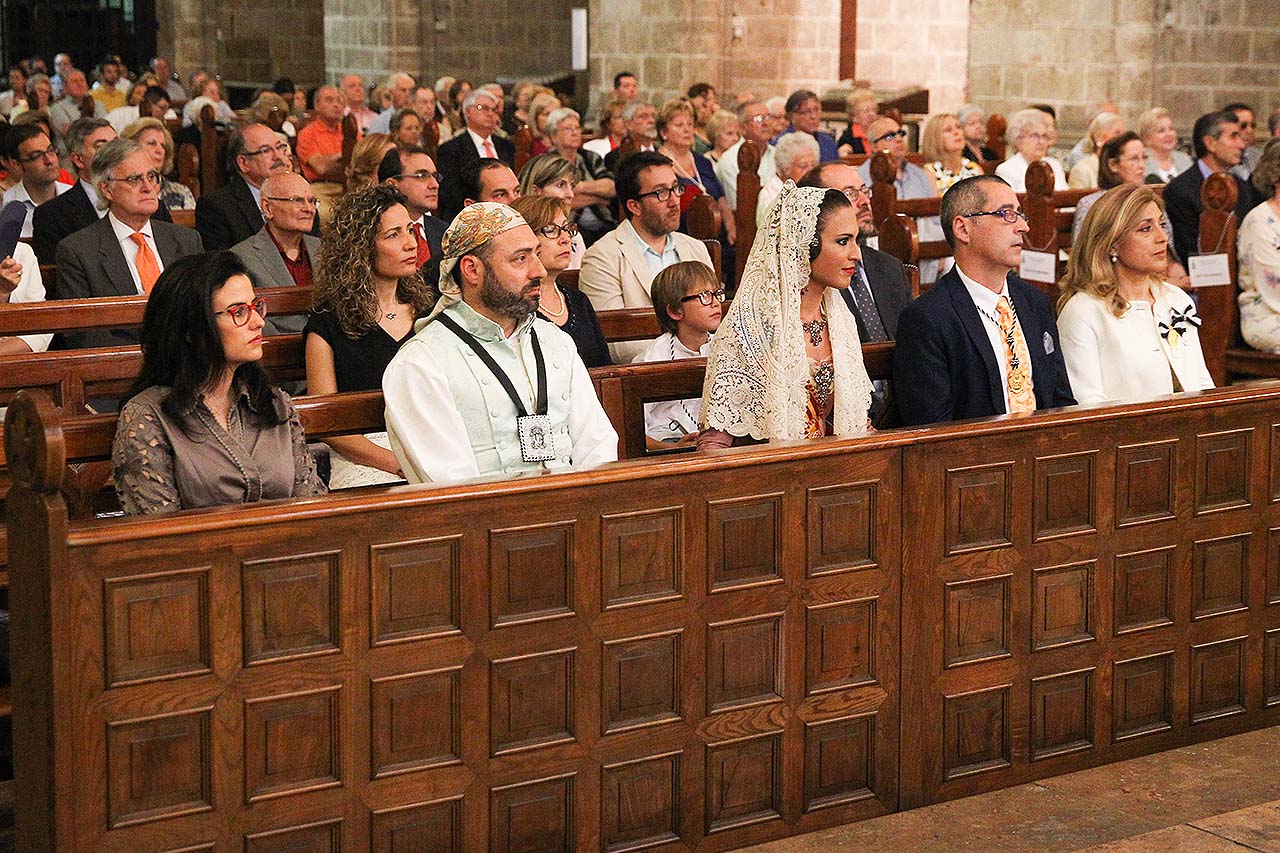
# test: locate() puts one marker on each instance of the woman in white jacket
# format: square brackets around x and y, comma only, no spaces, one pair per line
[1126,333]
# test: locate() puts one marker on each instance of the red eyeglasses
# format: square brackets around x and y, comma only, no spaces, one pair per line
[239,311]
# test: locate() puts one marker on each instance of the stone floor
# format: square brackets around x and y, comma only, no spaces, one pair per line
[1218,796]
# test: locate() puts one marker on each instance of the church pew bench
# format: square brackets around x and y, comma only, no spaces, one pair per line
[759,656]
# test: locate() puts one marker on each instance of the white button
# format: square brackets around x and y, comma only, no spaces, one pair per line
[492,413]
[564,396]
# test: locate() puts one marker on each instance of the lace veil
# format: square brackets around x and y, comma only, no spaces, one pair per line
[757,370]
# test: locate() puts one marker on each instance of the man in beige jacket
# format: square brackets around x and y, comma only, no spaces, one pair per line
[619,267]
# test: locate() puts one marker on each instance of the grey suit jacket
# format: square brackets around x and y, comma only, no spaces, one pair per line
[91,264]
[267,269]
[889,289]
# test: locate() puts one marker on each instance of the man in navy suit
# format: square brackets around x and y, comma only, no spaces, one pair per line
[1219,147]
[960,347]
[482,112]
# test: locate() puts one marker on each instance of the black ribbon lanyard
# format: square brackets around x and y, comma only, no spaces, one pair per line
[497,371]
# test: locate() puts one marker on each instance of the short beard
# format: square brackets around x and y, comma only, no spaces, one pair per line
[503,302]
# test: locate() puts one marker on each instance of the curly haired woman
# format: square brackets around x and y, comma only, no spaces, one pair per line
[367,294]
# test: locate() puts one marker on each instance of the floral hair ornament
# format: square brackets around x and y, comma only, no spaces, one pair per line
[476,225]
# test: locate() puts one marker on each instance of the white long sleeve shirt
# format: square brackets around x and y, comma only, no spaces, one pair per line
[449,419]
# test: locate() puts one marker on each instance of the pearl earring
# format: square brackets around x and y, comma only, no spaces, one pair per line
[1114,258]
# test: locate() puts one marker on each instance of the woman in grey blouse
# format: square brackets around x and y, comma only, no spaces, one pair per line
[203,425]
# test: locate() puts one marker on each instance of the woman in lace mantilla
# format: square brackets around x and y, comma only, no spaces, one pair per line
[787,363]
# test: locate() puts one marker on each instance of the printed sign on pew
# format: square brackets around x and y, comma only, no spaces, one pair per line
[1038,266]
[1209,270]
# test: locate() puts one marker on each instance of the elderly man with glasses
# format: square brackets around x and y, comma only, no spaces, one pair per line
[482,112]
[124,252]
[233,213]
[753,117]
[283,252]
[619,268]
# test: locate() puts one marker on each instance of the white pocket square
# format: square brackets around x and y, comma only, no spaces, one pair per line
[1048,343]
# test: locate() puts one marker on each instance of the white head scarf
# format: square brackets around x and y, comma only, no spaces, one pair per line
[757,370]
[476,225]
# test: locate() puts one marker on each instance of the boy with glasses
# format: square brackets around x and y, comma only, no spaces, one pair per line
[687,301]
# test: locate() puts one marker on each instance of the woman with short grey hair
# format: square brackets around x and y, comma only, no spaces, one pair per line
[794,155]
[1030,133]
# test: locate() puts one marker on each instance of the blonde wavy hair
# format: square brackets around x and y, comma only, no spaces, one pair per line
[1090,269]
[344,273]
[365,159]
[137,126]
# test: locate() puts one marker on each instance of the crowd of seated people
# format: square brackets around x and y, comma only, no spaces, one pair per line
[439,277]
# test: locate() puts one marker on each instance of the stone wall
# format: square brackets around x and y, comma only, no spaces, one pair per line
[246,41]
[670,44]
[1189,56]
[497,39]
[916,43]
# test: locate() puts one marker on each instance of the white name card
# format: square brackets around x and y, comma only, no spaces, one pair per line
[1209,270]
[1038,266]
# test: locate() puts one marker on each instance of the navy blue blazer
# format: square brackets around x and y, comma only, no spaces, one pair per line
[944,368]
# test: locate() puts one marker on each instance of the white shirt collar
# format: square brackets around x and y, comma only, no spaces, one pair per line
[125,234]
[19,192]
[478,141]
[92,192]
[984,297]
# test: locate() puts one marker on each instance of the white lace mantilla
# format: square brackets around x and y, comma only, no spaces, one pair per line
[757,370]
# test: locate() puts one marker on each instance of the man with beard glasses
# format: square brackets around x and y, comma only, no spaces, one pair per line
[485,387]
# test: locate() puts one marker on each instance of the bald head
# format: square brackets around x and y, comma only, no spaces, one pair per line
[288,203]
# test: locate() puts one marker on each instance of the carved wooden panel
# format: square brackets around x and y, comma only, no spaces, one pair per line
[157,626]
[1062,605]
[744,542]
[530,573]
[413,589]
[1144,482]
[1219,575]
[1064,495]
[1141,696]
[641,556]
[841,522]
[419,827]
[979,509]
[1143,590]
[975,732]
[744,665]
[531,701]
[290,606]
[839,762]
[323,837]
[640,803]
[1061,714]
[1273,566]
[977,618]
[532,816]
[291,743]
[1271,667]
[1222,470]
[1217,679]
[641,682]
[414,722]
[159,767]
[840,648]
[743,781]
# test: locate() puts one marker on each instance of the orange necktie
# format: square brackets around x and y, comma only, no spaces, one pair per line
[424,248]
[148,268]
[488,150]
[1022,396]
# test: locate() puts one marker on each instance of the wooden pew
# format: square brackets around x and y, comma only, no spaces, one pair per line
[748,199]
[1226,354]
[110,312]
[213,147]
[185,218]
[323,672]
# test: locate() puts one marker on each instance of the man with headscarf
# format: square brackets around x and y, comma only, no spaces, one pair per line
[485,387]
